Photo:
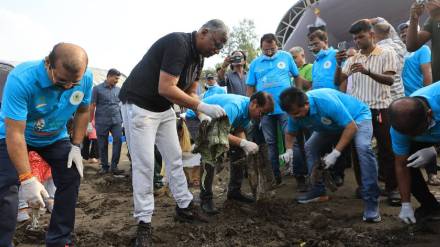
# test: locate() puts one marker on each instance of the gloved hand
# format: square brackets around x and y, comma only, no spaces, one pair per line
[204,117]
[287,157]
[214,111]
[422,157]
[248,147]
[75,156]
[407,213]
[89,127]
[330,159]
[33,192]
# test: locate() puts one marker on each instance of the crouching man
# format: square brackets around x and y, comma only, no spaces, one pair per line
[336,119]
[239,110]
[415,122]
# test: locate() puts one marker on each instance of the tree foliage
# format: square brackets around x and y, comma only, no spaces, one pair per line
[243,37]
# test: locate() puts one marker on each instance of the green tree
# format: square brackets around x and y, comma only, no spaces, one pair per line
[244,38]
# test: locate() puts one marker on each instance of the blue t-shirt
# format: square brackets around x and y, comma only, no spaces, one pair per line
[272,75]
[30,96]
[214,90]
[324,68]
[330,110]
[236,108]
[401,143]
[412,73]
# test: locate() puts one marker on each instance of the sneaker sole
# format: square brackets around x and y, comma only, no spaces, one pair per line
[318,199]
[372,220]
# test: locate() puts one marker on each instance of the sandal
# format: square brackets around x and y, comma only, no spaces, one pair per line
[433,179]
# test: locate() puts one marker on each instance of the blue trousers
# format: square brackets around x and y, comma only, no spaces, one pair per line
[269,127]
[102,131]
[66,180]
[321,142]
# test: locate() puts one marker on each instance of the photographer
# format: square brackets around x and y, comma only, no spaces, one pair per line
[235,79]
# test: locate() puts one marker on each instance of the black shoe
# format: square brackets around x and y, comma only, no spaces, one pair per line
[393,198]
[208,207]
[190,214]
[301,184]
[277,181]
[102,171]
[116,171]
[144,235]
[238,196]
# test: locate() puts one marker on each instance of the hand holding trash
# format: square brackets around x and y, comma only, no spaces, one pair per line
[249,147]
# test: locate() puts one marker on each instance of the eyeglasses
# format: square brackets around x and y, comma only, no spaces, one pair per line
[62,82]
[270,50]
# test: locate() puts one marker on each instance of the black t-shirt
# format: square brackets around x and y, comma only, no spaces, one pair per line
[174,54]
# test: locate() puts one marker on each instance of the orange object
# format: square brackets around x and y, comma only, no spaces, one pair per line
[25,176]
[40,168]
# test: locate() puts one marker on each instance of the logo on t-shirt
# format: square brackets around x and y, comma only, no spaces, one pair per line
[39,125]
[326,121]
[327,65]
[281,65]
[76,97]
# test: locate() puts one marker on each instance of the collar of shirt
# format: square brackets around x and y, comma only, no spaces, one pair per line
[273,57]
[376,52]
[312,106]
[195,54]
[107,85]
[323,53]
[42,76]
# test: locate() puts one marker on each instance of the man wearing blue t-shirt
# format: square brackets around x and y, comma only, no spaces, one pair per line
[324,67]
[38,100]
[336,119]
[240,110]
[415,122]
[417,71]
[272,73]
[212,87]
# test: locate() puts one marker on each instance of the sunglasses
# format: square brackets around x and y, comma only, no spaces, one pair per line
[62,82]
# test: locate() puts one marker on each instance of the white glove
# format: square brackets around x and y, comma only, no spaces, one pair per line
[183,115]
[75,156]
[33,192]
[287,157]
[407,213]
[330,159]
[214,111]
[248,147]
[204,117]
[89,127]
[422,157]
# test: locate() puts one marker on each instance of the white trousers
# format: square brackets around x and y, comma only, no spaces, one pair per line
[143,129]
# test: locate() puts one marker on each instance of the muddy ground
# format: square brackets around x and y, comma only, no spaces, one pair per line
[105,208]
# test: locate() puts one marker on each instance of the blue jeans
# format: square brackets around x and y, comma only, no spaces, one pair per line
[269,127]
[321,142]
[103,130]
[66,180]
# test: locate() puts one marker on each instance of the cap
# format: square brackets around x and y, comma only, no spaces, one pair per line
[210,76]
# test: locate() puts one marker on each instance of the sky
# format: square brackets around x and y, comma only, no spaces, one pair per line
[115,33]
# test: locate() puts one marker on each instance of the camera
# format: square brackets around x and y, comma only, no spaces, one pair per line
[236,59]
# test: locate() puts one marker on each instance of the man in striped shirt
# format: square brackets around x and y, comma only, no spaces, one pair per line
[372,71]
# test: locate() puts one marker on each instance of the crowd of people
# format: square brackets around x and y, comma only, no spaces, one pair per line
[385,86]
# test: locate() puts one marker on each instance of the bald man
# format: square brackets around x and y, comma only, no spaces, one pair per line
[38,100]
[415,122]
